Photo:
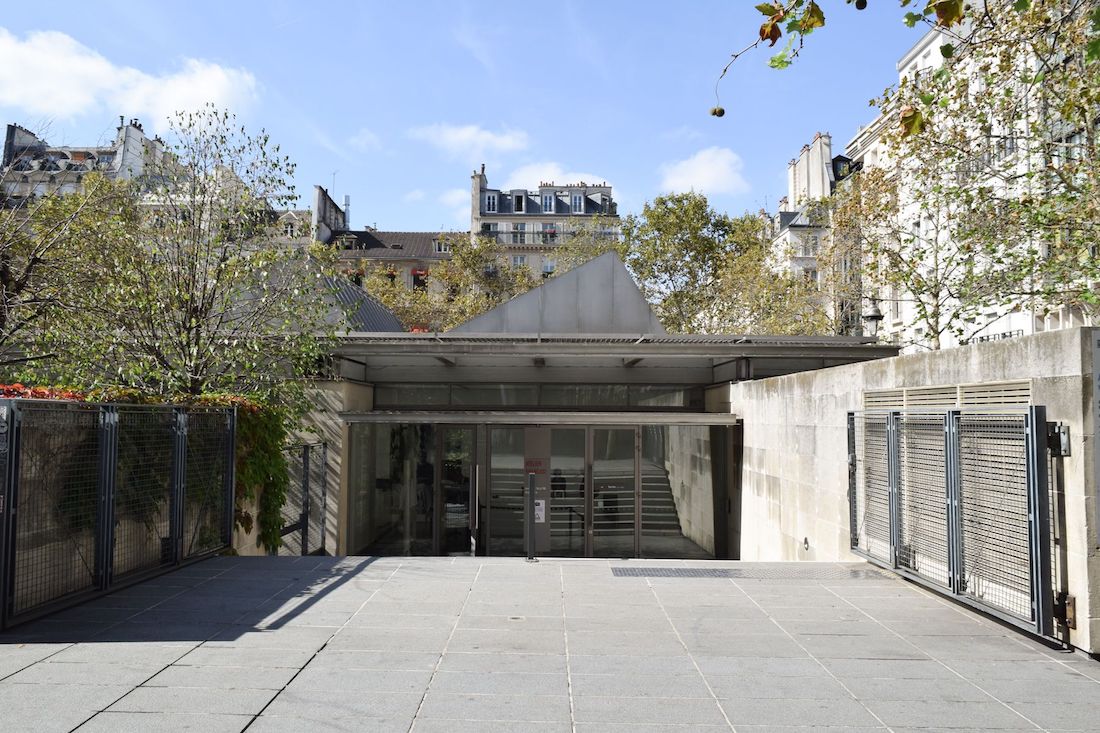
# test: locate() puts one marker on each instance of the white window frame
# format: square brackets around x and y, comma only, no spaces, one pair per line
[548,203]
[519,233]
[519,260]
[576,203]
[490,203]
[442,247]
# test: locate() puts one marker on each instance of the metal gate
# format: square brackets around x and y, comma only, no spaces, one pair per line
[304,510]
[958,501]
[97,496]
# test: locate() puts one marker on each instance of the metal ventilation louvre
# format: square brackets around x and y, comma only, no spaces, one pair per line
[980,395]
[883,398]
[945,396]
[988,394]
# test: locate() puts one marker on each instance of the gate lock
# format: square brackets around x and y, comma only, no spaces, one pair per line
[1058,439]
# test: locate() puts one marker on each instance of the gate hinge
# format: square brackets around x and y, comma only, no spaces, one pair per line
[1065,609]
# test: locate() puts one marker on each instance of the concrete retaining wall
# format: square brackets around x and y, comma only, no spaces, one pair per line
[795,472]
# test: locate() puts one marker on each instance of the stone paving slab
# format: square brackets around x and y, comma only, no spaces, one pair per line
[497,645]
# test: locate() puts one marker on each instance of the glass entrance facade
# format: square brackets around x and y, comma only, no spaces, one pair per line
[638,490]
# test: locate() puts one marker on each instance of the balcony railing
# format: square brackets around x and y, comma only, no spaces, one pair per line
[539,238]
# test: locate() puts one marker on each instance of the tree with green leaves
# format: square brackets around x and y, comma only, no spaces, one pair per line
[704,271]
[989,195]
[758,294]
[676,249]
[476,278]
[40,266]
[192,291]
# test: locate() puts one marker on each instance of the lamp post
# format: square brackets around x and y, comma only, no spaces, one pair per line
[873,317]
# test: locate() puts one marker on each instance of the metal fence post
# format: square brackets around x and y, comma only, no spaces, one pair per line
[529,518]
[304,516]
[1038,511]
[953,476]
[179,480]
[105,512]
[324,496]
[9,448]
[853,519]
[893,462]
[230,478]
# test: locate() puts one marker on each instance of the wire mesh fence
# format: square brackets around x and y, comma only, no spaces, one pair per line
[305,508]
[960,501]
[95,496]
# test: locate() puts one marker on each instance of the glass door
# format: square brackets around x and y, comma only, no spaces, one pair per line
[506,490]
[456,485]
[567,492]
[614,485]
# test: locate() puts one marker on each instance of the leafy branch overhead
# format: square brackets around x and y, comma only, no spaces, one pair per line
[796,19]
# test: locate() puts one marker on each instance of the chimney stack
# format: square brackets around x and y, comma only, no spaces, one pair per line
[347,211]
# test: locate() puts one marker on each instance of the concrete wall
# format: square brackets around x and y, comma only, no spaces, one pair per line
[795,472]
[690,474]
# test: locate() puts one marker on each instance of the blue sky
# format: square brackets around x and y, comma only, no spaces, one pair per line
[401,101]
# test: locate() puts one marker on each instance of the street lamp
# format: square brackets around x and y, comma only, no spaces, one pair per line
[873,317]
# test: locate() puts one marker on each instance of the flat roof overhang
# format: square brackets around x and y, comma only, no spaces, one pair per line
[501,417]
[627,358]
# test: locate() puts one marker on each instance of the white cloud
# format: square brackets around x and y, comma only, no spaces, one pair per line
[415,195]
[710,171]
[365,141]
[457,201]
[683,132]
[531,175]
[473,40]
[471,143]
[53,75]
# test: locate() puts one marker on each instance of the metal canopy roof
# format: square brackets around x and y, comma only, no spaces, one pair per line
[637,345]
[503,417]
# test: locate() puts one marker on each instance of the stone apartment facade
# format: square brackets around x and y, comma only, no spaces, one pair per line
[531,223]
[33,167]
[798,236]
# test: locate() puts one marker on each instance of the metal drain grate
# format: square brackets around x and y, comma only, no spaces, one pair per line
[757,572]
[670,572]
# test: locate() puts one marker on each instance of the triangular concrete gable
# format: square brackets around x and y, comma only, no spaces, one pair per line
[599,297]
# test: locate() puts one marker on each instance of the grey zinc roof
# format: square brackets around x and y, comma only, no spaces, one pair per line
[598,297]
[390,245]
[364,313]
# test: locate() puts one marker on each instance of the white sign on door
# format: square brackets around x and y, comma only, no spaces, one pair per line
[540,511]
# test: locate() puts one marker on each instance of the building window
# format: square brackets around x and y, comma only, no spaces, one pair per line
[519,260]
[519,233]
[810,274]
[548,267]
[549,234]
[288,229]
[490,203]
[442,246]
[517,204]
[578,204]
[548,203]
[420,279]
[491,231]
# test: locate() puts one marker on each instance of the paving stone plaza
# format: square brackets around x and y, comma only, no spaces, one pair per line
[484,644]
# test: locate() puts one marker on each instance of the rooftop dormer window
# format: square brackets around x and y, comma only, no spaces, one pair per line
[577,204]
[490,203]
[518,203]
